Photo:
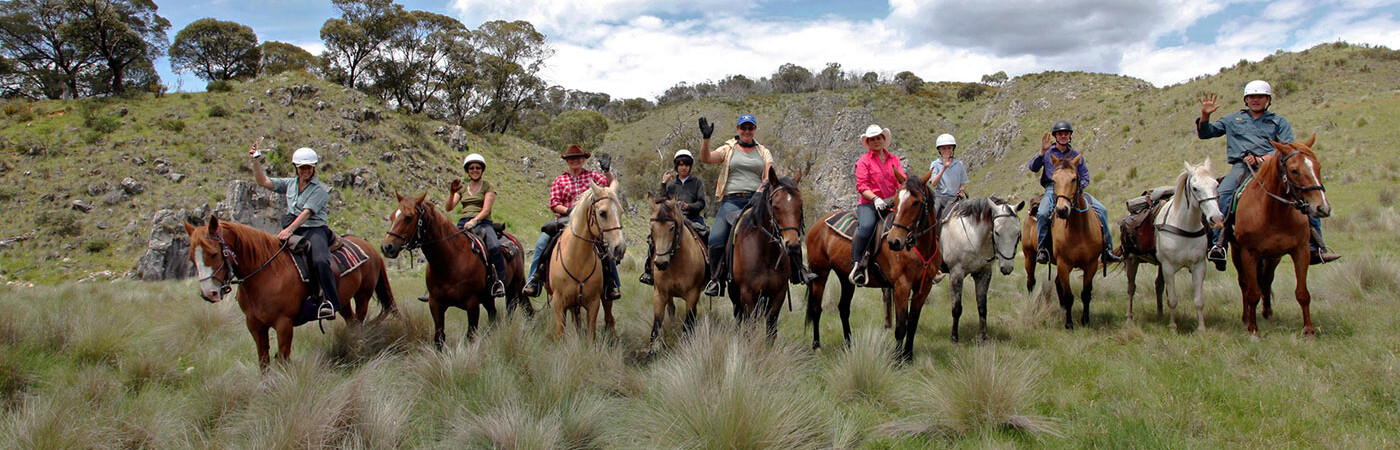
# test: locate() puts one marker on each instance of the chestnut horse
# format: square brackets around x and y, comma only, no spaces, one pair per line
[576,268]
[765,241]
[1076,238]
[456,276]
[227,253]
[1271,220]
[909,266]
[679,264]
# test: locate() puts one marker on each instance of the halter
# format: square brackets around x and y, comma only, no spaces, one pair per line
[995,248]
[415,240]
[1290,188]
[776,235]
[675,233]
[599,249]
[230,265]
[1078,197]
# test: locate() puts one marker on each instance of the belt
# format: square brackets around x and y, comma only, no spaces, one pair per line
[739,195]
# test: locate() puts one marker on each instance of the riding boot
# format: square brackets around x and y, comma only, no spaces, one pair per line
[1319,253]
[800,273]
[1222,243]
[715,287]
[858,275]
[646,277]
[1042,252]
[532,287]
[1109,256]
[498,262]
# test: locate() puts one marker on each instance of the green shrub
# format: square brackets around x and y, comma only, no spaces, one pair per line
[1361,121]
[17,110]
[103,123]
[171,125]
[97,245]
[61,223]
[217,111]
[218,86]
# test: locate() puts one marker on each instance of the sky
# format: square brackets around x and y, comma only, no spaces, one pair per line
[639,48]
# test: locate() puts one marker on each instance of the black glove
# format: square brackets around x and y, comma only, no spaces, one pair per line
[605,162]
[706,128]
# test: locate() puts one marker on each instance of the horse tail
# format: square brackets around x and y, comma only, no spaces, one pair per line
[385,294]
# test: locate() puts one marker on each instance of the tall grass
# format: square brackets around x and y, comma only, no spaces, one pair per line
[865,370]
[982,390]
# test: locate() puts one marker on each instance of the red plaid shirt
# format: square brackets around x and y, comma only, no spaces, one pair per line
[567,187]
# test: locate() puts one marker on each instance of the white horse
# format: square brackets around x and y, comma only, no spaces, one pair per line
[1182,237]
[976,233]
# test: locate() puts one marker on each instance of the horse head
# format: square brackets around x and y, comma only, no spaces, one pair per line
[1303,175]
[403,224]
[785,205]
[1006,232]
[913,207]
[665,229]
[1067,183]
[606,213]
[1203,190]
[213,259]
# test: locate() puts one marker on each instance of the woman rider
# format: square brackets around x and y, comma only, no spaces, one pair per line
[878,177]
[689,193]
[744,170]
[305,217]
[562,193]
[476,214]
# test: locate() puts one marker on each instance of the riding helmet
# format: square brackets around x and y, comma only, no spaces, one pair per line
[1062,125]
[474,158]
[304,156]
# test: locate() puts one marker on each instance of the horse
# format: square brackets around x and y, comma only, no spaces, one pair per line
[1028,238]
[1271,221]
[909,266]
[272,293]
[679,264]
[456,276]
[1075,237]
[976,233]
[766,245]
[1182,238]
[576,268]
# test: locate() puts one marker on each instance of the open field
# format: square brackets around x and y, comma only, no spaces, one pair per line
[127,364]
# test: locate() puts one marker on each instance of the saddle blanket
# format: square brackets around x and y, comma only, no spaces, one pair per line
[344,260]
[843,223]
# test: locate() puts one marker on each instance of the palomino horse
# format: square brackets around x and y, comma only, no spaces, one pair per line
[1028,238]
[456,276]
[976,233]
[227,253]
[908,266]
[1182,237]
[1271,220]
[765,243]
[679,264]
[576,268]
[1076,238]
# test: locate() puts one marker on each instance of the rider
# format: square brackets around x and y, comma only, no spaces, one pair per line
[1247,134]
[306,217]
[745,170]
[689,193]
[562,194]
[1059,147]
[476,214]
[878,176]
[953,184]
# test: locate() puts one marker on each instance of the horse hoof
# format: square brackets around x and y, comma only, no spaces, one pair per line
[1254,337]
[955,339]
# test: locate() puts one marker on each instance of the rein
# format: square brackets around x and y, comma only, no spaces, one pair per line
[598,246]
[911,236]
[230,265]
[1291,189]
[416,240]
[675,234]
[775,236]
[1078,198]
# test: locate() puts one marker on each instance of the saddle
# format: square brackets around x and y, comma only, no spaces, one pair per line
[1139,237]
[844,223]
[346,256]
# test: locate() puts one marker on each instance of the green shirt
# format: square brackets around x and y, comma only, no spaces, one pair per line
[473,203]
[313,198]
[745,172]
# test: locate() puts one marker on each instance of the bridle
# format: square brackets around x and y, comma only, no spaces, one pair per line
[917,229]
[998,216]
[1076,199]
[230,265]
[1190,195]
[416,240]
[1291,189]
[599,247]
[776,235]
[675,232]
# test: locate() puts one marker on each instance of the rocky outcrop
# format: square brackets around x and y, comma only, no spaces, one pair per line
[167,250]
[247,203]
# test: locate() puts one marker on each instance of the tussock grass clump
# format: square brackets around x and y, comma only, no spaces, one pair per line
[865,370]
[1363,278]
[353,345]
[722,389]
[983,390]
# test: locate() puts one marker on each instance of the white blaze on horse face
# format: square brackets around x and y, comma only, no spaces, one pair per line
[1312,174]
[395,218]
[902,196]
[204,274]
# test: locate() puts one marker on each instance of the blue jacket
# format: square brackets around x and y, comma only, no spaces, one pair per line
[1246,135]
[1044,162]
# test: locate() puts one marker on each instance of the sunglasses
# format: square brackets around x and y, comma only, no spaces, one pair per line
[747,127]
[475,168]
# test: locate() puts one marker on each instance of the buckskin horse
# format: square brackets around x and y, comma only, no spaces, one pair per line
[1076,238]
[679,264]
[456,275]
[272,293]
[976,233]
[576,268]
[1182,238]
[1271,221]
[908,267]
[766,246]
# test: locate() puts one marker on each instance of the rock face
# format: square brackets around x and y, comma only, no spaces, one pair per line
[250,204]
[830,131]
[167,251]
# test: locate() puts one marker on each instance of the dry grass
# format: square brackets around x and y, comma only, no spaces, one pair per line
[983,389]
[865,370]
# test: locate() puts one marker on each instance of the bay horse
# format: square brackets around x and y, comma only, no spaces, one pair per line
[908,266]
[1182,236]
[766,243]
[976,233]
[271,292]
[1076,237]
[679,264]
[576,268]
[456,276]
[1271,221]
[1028,238]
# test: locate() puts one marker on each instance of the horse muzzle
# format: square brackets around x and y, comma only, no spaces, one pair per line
[390,250]
[1320,211]
[662,264]
[211,296]
[1062,212]
[1007,268]
[897,245]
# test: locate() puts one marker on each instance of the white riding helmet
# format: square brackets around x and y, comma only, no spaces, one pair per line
[474,158]
[682,152]
[1258,87]
[945,139]
[305,156]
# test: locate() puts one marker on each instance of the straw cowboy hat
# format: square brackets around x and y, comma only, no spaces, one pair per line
[875,130]
[574,150]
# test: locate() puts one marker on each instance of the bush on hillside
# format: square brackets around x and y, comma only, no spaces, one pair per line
[218,86]
[971,91]
[217,111]
[59,223]
[171,125]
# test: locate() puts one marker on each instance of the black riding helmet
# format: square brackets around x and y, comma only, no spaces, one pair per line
[1062,126]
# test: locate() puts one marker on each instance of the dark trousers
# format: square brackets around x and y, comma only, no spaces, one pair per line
[487,232]
[866,218]
[318,240]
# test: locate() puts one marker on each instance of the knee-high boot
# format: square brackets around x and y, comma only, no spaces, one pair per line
[715,287]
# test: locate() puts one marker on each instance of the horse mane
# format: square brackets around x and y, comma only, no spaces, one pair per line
[760,208]
[582,204]
[913,185]
[665,207]
[1183,182]
[249,241]
[978,209]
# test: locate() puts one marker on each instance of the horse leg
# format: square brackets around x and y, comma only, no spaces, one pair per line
[916,306]
[692,302]
[473,316]
[592,307]
[843,308]
[259,332]
[815,294]
[609,322]
[775,307]
[886,295]
[1300,291]
[1029,257]
[1249,288]
[1066,296]
[1086,293]
[1198,279]
[1130,267]
[659,302]
[1161,285]
[1266,282]
[439,313]
[284,339]
[560,315]
[1169,269]
[984,283]
[955,289]
[490,305]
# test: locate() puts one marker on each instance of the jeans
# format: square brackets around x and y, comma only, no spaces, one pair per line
[318,239]
[867,219]
[610,277]
[719,230]
[540,244]
[487,231]
[1047,205]
[1228,186]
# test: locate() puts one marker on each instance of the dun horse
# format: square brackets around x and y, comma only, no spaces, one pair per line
[766,246]
[976,233]
[1076,238]
[227,253]
[1182,238]
[1271,221]
[576,268]
[679,264]
[909,266]
[456,276]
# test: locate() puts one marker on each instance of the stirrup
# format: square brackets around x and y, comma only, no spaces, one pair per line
[498,289]
[326,311]
[646,279]
[1042,256]
[1318,256]
[1216,253]
[531,290]
[858,276]
[712,289]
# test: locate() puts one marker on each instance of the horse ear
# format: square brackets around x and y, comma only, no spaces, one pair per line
[400,197]
[1074,162]
[1020,205]
[927,176]
[1054,161]
[188,228]
[1282,147]
[421,197]
[213,224]
[772,175]
[798,178]
[1311,140]
[1206,164]
[1187,164]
